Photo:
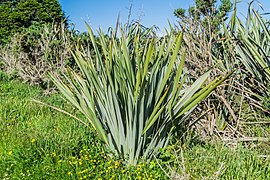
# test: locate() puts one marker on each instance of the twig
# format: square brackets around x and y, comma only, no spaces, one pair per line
[251,123]
[240,112]
[261,108]
[228,106]
[161,167]
[219,171]
[249,139]
[62,111]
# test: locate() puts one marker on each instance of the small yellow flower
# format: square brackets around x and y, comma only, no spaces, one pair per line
[80,163]
[69,173]
[10,152]
[33,140]
[53,154]
[123,171]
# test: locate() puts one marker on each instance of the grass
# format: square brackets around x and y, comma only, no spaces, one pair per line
[37,142]
[216,161]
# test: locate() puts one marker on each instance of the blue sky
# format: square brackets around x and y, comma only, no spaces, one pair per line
[104,13]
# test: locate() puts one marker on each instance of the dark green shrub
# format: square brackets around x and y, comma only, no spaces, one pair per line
[17,15]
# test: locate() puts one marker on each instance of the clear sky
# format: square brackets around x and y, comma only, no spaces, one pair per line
[104,13]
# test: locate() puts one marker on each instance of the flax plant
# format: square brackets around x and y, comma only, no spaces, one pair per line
[132,90]
[254,47]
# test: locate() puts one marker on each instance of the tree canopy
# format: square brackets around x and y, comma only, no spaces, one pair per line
[216,10]
[18,14]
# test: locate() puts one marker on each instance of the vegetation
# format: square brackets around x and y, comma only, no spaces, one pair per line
[206,12]
[38,142]
[134,98]
[253,48]
[20,14]
[131,105]
[36,51]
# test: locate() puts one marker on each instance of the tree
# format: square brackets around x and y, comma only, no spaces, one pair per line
[207,12]
[16,15]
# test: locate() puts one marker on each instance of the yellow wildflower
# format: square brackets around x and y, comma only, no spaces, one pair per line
[117,163]
[33,140]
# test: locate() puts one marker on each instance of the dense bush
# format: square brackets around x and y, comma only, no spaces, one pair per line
[20,14]
[36,51]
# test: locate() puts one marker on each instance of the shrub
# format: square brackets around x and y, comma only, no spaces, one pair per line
[36,51]
[17,15]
